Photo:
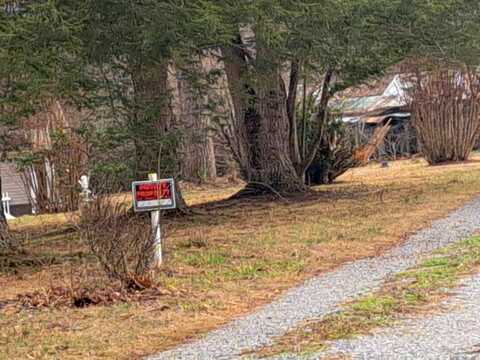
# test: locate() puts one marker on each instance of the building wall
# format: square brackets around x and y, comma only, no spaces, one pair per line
[13,185]
[20,210]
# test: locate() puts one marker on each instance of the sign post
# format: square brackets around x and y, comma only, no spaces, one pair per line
[154,195]
[156,231]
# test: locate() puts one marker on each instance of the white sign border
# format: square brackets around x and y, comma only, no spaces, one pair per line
[169,207]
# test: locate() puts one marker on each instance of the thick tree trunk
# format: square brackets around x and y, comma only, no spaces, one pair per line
[272,165]
[261,140]
[154,120]
[235,133]
[190,108]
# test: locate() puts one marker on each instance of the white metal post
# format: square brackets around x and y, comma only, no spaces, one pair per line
[156,231]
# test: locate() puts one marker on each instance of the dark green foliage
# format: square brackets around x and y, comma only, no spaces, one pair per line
[444,29]
[40,57]
[112,57]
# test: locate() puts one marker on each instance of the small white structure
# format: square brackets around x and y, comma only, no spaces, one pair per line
[13,188]
[6,206]
[86,193]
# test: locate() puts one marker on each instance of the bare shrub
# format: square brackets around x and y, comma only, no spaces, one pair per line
[335,156]
[122,243]
[83,285]
[446,111]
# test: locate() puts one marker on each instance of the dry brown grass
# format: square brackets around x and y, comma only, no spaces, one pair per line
[228,259]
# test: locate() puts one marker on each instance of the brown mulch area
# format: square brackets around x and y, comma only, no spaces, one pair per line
[60,296]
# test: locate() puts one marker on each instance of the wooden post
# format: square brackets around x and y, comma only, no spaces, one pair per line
[156,233]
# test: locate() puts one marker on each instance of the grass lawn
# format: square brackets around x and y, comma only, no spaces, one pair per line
[223,261]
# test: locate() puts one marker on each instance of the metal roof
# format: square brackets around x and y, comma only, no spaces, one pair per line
[380,118]
[367,104]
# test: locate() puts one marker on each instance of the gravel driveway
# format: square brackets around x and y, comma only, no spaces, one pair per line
[321,295]
[455,334]
[452,335]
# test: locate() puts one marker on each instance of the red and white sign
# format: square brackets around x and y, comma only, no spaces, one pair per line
[153,195]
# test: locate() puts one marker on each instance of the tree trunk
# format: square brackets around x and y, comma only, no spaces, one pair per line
[2,213]
[235,133]
[321,118]
[292,113]
[272,165]
[151,117]
[5,239]
[182,207]
[261,137]
[190,108]
[155,133]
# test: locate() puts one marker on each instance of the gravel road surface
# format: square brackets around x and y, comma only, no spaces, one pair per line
[322,295]
[454,334]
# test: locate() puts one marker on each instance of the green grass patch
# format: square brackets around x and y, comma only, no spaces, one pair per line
[407,292]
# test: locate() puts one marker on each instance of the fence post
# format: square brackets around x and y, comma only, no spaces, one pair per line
[6,206]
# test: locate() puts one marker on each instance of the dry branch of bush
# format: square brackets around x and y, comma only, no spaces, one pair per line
[122,243]
[446,111]
[336,154]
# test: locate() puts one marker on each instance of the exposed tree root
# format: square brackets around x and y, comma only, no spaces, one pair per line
[259,189]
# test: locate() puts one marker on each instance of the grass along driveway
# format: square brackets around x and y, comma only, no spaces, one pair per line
[225,260]
[418,290]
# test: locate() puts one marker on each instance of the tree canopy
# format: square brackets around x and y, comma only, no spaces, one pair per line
[115,58]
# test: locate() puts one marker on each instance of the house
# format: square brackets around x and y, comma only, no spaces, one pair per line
[377,103]
[15,199]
